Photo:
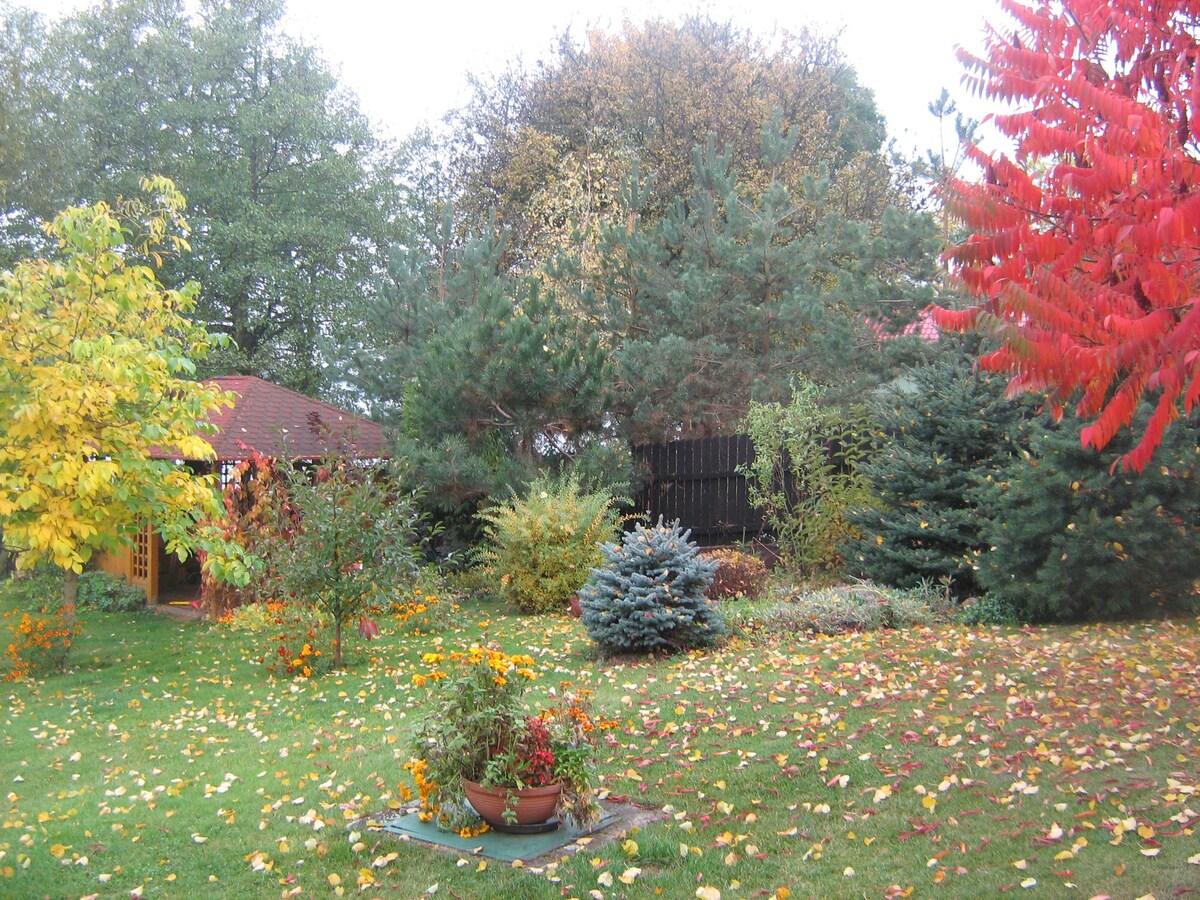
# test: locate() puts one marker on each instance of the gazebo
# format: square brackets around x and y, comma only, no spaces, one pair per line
[273,420]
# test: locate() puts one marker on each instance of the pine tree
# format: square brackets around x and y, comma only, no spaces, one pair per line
[487,376]
[739,287]
[943,426]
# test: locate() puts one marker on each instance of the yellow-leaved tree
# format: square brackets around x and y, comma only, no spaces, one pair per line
[94,395]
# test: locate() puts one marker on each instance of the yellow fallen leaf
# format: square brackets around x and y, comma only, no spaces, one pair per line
[334,879]
[630,847]
[707,892]
[605,879]
[629,875]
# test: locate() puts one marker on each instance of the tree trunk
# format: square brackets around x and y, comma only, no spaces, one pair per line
[337,644]
[69,595]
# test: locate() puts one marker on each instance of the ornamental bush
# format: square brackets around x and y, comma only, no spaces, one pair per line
[41,635]
[541,546]
[108,593]
[807,475]
[859,607]
[649,594]
[738,574]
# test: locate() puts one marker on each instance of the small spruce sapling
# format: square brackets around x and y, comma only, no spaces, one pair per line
[650,594]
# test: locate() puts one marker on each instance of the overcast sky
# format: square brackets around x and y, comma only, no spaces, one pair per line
[407,62]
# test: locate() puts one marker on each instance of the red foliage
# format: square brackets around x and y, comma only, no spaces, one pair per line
[1085,251]
[256,513]
[738,574]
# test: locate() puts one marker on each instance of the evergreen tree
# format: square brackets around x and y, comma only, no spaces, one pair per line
[487,377]
[943,426]
[651,593]
[1072,535]
[736,290]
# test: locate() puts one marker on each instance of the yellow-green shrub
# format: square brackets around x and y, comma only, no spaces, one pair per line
[541,546]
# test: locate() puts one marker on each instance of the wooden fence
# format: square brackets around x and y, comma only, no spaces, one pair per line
[697,482]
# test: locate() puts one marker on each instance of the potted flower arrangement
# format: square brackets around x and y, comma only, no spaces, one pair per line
[480,752]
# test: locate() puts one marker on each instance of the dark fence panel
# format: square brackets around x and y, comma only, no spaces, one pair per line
[697,482]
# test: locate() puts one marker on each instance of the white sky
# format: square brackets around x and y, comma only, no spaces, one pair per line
[407,62]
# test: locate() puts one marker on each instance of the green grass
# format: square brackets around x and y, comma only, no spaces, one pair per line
[941,761]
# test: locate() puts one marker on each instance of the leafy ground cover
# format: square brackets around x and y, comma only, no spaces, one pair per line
[944,761]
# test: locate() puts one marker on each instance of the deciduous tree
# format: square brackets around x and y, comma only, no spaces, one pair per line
[546,149]
[94,360]
[287,185]
[1084,254]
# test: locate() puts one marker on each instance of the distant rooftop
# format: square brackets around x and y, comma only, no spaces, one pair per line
[280,422]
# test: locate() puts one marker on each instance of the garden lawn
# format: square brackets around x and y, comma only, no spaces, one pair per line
[937,762]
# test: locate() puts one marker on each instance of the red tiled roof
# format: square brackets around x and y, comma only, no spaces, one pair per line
[279,422]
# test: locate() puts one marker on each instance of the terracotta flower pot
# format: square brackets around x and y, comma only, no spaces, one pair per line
[532,806]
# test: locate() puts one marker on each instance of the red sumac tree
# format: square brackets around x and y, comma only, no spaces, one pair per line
[1084,252]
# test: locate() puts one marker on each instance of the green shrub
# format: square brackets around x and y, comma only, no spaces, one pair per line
[989,610]
[806,477]
[649,594]
[97,590]
[541,545]
[33,588]
[108,593]
[738,574]
[859,607]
